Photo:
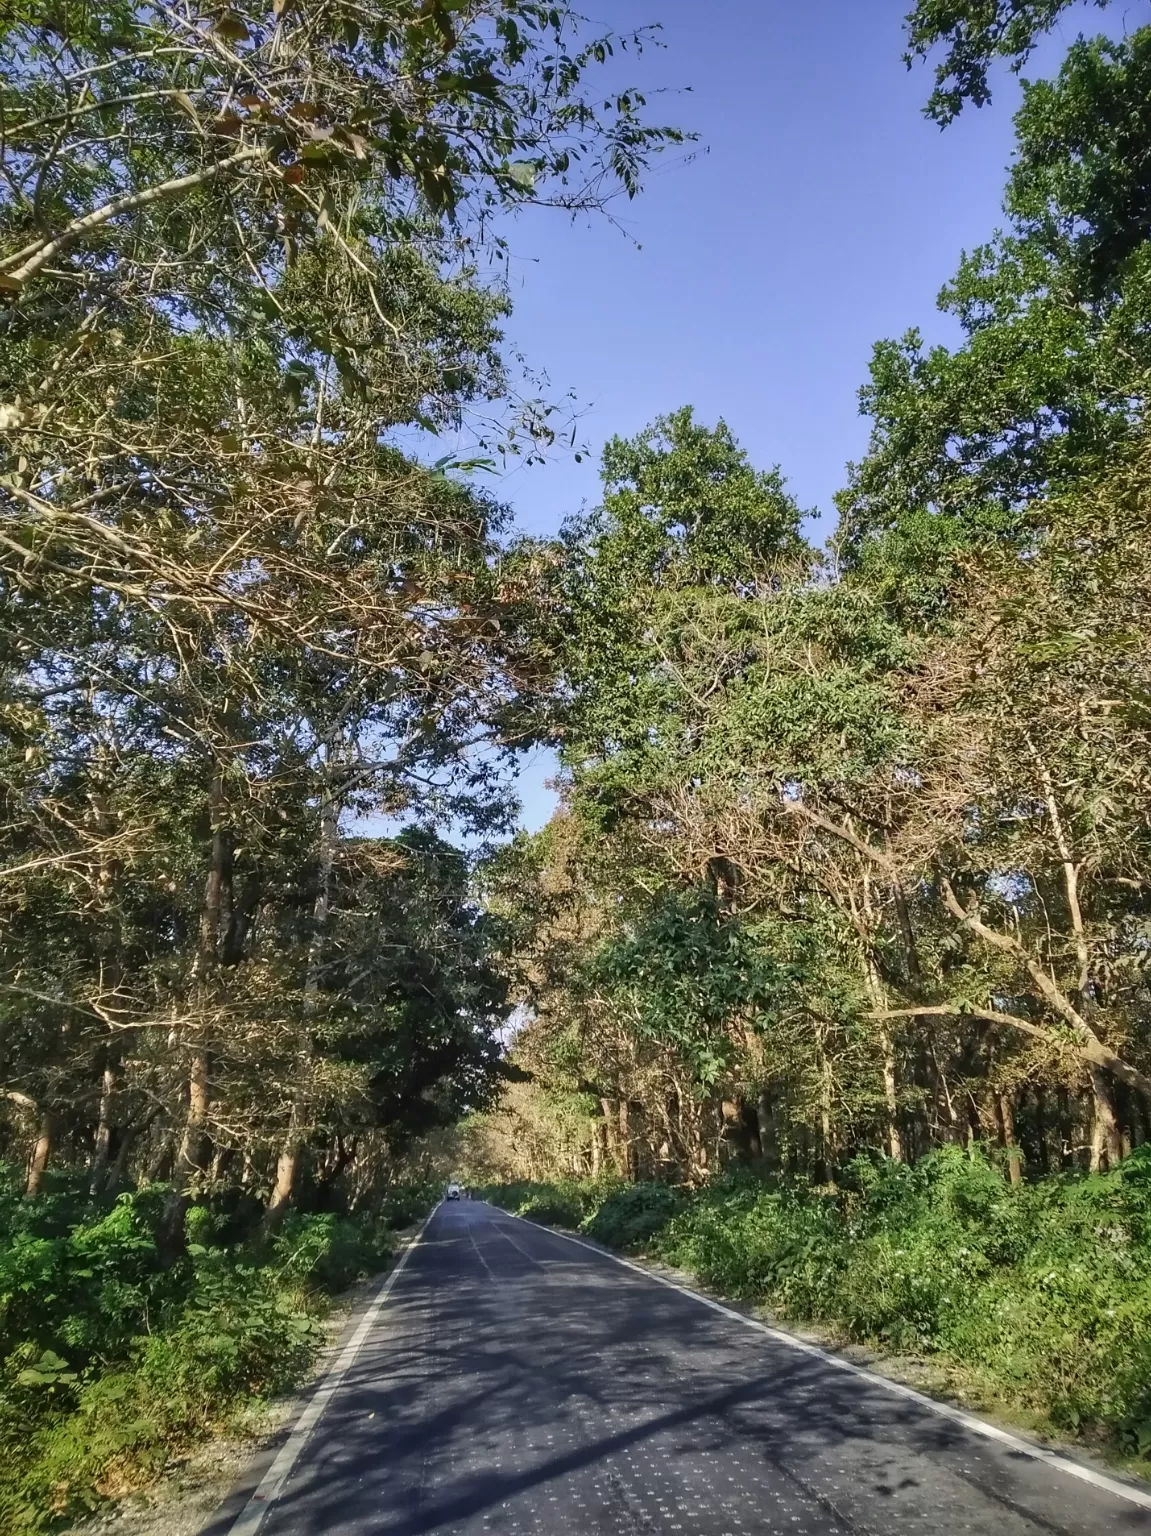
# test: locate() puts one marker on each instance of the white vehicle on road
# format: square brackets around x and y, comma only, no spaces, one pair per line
[453,1191]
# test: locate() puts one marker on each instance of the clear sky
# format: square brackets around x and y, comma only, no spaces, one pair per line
[821,213]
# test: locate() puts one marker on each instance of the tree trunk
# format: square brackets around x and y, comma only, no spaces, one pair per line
[1010,1146]
[596,1149]
[287,1168]
[162,1161]
[625,1146]
[287,1165]
[1041,1129]
[1139,1118]
[911,952]
[1065,1125]
[41,1154]
[345,1156]
[110,942]
[768,1141]
[877,993]
[891,1098]
[192,1158]
[288,1161]
[1106,1146]
[825,1163]
[611,1115]
[129,1136]
[102,1145]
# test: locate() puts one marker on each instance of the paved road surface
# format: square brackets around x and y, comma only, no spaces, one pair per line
[519,1385]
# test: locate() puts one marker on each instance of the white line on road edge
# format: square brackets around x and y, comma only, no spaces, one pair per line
[968,1420]
[271,1485]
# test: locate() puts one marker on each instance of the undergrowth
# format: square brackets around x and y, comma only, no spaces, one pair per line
[1042,1291]
[113,1359]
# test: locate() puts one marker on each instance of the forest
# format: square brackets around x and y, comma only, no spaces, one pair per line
[831,973]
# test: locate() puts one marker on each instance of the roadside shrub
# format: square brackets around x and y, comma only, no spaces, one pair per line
[566,1203]
[328,1251]
[406,1204]
[631,1215]
[111,1362]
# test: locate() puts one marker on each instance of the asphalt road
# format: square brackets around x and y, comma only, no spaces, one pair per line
[519,1385]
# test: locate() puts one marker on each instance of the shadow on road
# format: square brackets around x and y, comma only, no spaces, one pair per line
[523,1384]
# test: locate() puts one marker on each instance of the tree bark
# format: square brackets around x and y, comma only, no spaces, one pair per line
[345,1156]
[768,1141]
[1041,1129]
[41,1154]
[597,1148]
[1106,1146]
[825,1162]
[288,1161]
[891,1098]
[163,1159]
[1010,1146]
[111,949]
[610,1109]
[119,1164]
[192,1157]
[878,996]
[625,1146]
[1065,1125]
[102,1145]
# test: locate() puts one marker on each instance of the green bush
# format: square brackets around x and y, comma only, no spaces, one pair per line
[1045,1291]
[331,1251]
[566,1203]
[631,1215]
[406,1204]
[110,1360]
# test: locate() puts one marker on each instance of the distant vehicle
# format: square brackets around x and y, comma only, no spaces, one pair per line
[453,1191]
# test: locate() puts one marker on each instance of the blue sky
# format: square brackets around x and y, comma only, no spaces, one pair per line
[821,213]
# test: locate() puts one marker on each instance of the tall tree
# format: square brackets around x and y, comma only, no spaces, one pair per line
[236,252]
[1052,374]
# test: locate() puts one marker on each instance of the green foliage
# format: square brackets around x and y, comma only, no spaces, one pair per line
[630,1216]
[565,1203]
[405,1204]
[1051,374]
[251,250]
[614,1213]
[686,525]
[976,33]
[110,1360]
[683,973]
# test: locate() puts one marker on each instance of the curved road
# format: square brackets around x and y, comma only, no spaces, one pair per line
[518,1384]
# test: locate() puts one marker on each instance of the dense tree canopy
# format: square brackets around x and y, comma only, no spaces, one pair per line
[853,845]
[1051,377]
[852,865]
[238,249]
[853,851]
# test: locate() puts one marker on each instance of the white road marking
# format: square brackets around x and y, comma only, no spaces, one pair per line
[539,1264]
[271,1485]
[957,1415]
